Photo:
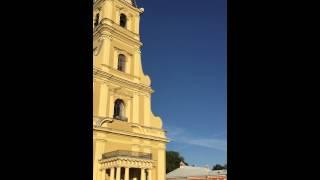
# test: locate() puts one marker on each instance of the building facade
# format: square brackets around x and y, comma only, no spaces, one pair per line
[185,172]
[129,142]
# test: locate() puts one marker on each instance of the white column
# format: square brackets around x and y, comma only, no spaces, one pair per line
[126,175]
[149,174]
[143,174]
[112,173]
[118,173]
[103,175]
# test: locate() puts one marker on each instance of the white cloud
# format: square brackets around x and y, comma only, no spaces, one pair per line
[175,132]
[213,143]
[180,135]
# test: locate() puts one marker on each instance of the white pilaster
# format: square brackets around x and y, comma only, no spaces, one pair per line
[161,171]
[105,52]
[107,10]
[147,112]
[137,24]
[137,63]
[99,149]
[135,108]
[143,174]
[149,174]
[103,99]
[103,174]
[111,106]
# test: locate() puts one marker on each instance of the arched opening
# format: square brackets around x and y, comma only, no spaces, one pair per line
[122,62]
[123,20]
[119,110]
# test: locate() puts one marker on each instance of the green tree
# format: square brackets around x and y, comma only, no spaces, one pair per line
[173,160]
[218,167]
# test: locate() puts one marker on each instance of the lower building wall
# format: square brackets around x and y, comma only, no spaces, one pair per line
[103,143]
[198,178]
[207,178]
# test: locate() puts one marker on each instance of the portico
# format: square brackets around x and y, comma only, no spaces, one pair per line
[126,165]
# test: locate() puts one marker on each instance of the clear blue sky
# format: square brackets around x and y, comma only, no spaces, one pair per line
[184,53]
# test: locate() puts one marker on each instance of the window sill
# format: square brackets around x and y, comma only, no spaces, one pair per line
[120,118]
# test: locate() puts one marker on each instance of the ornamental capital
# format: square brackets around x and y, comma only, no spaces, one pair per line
[106,36]
[138,50]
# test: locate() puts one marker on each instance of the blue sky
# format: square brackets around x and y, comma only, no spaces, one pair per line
[184,53]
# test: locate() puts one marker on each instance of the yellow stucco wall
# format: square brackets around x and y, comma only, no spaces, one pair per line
[142,132]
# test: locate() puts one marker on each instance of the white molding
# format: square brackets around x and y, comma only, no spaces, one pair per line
[121,81]
[117,31]
[132,134]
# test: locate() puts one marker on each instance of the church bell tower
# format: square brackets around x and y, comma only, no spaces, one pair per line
[129,142]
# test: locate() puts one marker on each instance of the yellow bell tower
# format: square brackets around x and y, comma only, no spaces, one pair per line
[128,140]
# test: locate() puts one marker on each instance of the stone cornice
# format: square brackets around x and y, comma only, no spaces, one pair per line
[97,3]
[120,81]
[126,162]
[127,159]
[115,84]
[120,73]
[132,134]
[116,31]
[122,2]
[139,10]
[99,121]
[152,128]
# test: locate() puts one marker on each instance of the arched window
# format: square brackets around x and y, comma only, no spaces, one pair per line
[96,22]
[121,62]
[123,20]
[119,110]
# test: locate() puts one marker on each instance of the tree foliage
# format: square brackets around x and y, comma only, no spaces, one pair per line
[219,167]
[173,160]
